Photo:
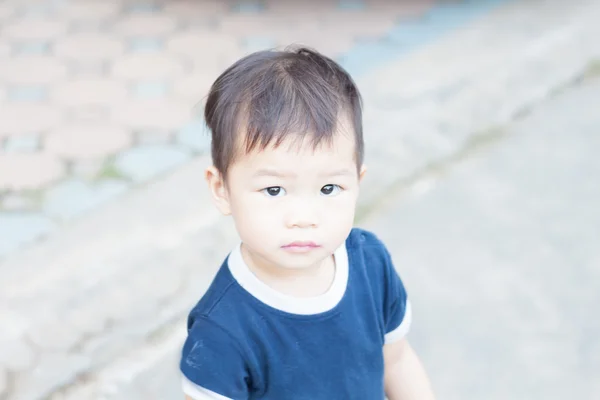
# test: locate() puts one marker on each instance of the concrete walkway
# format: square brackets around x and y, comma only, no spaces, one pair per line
[501,256]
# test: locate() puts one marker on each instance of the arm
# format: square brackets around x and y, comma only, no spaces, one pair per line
[212,364]
[195,392]
[405,377]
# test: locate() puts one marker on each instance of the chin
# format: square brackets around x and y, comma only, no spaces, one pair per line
[297,266]
[301,261]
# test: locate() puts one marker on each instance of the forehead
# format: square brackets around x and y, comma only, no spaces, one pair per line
[299,153]
[339,147]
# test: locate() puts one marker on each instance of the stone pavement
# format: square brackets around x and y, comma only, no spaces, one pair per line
[95,310]
[97,97]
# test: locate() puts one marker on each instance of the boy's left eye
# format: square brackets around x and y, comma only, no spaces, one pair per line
[330,190]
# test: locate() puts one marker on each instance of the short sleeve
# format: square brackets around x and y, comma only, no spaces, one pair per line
[396,306]
[212,363]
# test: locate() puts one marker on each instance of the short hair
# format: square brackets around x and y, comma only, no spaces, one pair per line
[269,95]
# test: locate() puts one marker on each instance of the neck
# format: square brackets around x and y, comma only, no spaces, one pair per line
[302,282]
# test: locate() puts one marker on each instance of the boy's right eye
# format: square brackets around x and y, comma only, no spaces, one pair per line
[274,191]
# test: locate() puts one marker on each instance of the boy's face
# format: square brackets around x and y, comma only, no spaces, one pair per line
[292,205]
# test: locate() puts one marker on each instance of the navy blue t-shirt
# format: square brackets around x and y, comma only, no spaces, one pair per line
[247,341]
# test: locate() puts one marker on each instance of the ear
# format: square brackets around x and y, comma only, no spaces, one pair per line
[363,171]
[218,189]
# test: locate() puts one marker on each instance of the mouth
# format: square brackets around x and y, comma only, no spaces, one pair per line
[300,247]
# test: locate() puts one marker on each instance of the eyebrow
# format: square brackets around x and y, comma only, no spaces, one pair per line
[341,172]
[278,174]
[272,172]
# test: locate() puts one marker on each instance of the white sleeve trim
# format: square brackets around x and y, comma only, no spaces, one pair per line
[198,392]
[402,330]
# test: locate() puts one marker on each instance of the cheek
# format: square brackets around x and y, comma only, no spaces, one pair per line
[344,209]
[253,215]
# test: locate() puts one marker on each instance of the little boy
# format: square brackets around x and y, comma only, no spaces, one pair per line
[305,307]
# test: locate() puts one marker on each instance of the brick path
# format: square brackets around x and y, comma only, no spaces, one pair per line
[103,299]
[98,97]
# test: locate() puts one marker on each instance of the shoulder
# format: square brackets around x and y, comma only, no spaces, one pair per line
[369,255]
[226,309]
[212,337]
[217,299]
[368,244]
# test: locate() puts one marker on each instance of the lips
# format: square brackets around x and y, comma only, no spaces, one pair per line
[301,246]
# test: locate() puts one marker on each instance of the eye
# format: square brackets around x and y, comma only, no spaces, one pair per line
[330,190]
[274,191]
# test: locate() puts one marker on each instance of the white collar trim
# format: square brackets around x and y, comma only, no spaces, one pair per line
[290,304]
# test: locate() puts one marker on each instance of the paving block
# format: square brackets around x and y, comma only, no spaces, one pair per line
[196,136]
[84,141]
[87,68]
[149,24]
[88,26]
[189,10]
[90,90]
[351,5]
[484,5]
[142,7]
[161,113]
[89,46]
[35,10]
[19,229]
[19,118]
[31,48]
[19,202]
[145,44]
[87,169]
[248,6]
[85,116]
[153,136]
[27,93]
[75,197]
[366,55]
[196,43]
[90,11]
[33,29]
[151,89]
[452,14]
[410,34]
[22,143]
[195,87]
[146,162]
[256,43]
[440,19]
[148,66]
[23,171]
[32,70]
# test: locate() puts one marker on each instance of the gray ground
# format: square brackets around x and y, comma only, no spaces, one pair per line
[502,260]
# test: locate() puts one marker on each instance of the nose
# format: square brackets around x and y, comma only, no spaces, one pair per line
[302,214]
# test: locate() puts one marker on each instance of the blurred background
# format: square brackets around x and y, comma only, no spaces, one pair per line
[482,127]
